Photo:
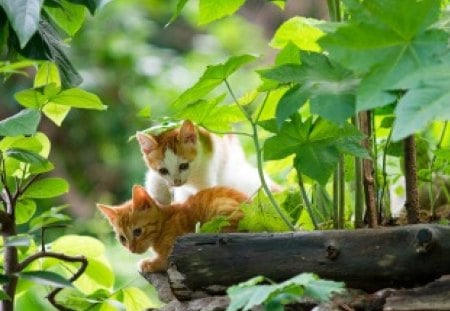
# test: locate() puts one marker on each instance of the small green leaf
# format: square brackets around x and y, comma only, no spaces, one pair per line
[4,279]
[26,156]
[290,54]
[23,123]
[25,209]
[299,30]
[211,10]
[49,217]
[180,6]
[24,16]
[31,98]
[47,74]
[78,98]
[211,78]
[46,188]
[45,278]
[56,113]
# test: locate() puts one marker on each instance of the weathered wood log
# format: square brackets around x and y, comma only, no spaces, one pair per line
[368,259]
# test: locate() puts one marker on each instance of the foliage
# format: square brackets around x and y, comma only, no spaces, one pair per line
[273,297]
[73,265]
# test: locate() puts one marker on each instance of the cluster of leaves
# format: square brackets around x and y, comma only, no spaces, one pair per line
[325,73]
[36,30]
[273,297]
[32,35]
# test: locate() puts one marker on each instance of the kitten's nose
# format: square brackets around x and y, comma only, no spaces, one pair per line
[132,248]
[177,182]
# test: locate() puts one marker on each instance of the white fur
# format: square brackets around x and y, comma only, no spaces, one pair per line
[225,166]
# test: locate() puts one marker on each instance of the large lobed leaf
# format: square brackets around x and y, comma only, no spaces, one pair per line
[385,41]
[329,87]
[316,145]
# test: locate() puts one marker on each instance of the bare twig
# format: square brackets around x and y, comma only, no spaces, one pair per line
[52,295]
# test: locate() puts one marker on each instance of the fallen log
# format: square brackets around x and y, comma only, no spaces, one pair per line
[368,259]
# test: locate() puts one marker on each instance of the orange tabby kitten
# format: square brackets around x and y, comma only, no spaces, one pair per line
[188,159]
[142,223]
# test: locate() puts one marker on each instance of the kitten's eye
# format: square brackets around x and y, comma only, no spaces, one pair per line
[122,239]
[137,232]
[184,166]
[163,171]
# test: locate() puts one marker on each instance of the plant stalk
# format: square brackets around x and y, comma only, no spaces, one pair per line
[412,192]
[259,161]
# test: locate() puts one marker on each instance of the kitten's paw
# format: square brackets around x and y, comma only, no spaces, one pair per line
[146,266]
[155,265]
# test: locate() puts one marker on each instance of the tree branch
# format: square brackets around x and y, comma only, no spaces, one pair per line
[52,295]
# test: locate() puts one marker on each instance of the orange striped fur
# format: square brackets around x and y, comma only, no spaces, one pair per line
[142,223]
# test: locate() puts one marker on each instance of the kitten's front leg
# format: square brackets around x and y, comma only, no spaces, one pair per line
[157,264]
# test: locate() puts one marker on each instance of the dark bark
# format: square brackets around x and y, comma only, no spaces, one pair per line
[366,259]
[368,171]
[412,192]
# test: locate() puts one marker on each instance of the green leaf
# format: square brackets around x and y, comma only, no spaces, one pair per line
[48,217]
[92,5]
[46,188]
[98,275]
[24,16]
[31,98]
[68,16]
[214,225]
[212,115]
[24,122]
[74,245]
[211,10]
[45,278]
[384,47]
[329,87]
[26,156]
[248,294]
[260,215]
[47,74]
[323,289]
[317,146]
[290,103]
[418,107]
[290,54]
[211,78]
[300,31]
[78,98]
[56,113]
[25,209]
[133,298]
[180,6]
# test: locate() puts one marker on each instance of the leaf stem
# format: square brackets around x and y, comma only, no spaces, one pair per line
[308,205]
[259,160]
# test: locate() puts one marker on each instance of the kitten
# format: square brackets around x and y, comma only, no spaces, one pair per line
[188,159]
[142,223]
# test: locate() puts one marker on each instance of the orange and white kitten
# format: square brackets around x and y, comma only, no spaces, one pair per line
[188,159]
[142,223]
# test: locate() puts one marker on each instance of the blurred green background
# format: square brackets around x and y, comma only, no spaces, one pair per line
[137,66]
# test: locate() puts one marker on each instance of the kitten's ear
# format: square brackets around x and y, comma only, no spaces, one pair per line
[188,133]
[147,142]
[108,211]
[141,199]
